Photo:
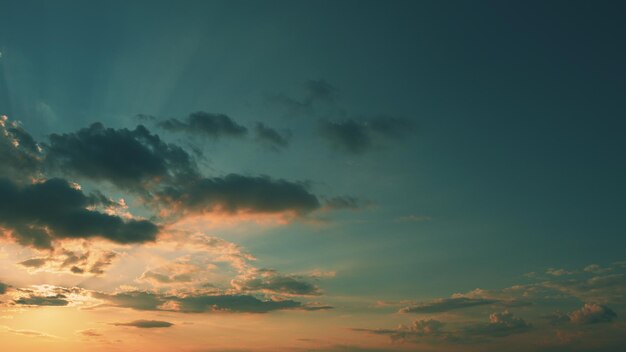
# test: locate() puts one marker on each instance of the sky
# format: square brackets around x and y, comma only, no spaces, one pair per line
[312,176]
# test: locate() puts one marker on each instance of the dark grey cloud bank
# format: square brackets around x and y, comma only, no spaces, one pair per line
[234,193]
[206,124]
[137,160]
[447,304]
[41,212]
[196,303]
[146,324]
[129,159]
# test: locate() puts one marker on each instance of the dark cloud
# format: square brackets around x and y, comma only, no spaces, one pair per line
[271,138]
[63,260]
[206,124]
[195,303]
[273,282]
[35,300]
[499,325]
[40,212]
[234,193]
[102,263]
[130,159]
[138,300]
[34,262]
[447,304]
[358,136]
[146,324]
[3,288]
[20,155]
[233,303]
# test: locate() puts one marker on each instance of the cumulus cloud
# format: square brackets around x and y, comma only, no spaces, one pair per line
[38,213]
[236,193]
[357,136]
[592,314]
[446,304]
[195,302]
[271,281]
[78,261]
[146,324]
[206,124]
[129,159]
[271,138]
[500,325]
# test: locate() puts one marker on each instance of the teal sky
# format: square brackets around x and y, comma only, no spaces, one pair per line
[486,150]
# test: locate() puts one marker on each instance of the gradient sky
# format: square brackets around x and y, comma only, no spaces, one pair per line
[312,176]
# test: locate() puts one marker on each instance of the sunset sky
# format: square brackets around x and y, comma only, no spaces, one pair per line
[312,176]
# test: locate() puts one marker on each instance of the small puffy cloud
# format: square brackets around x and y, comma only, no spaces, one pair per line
[146,324]
[206,124]
[592,314]
[558,272]
[271,138]
[418,330]
[596,269]
[500,325]
[270,281]
[430,330]
[38,213]
[92,261]
[446,304]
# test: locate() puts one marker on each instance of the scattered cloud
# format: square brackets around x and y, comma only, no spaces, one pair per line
[447,304]
[271,138]
[206,124]
[270,281]
[592,314]
[358,136]
[146,324]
